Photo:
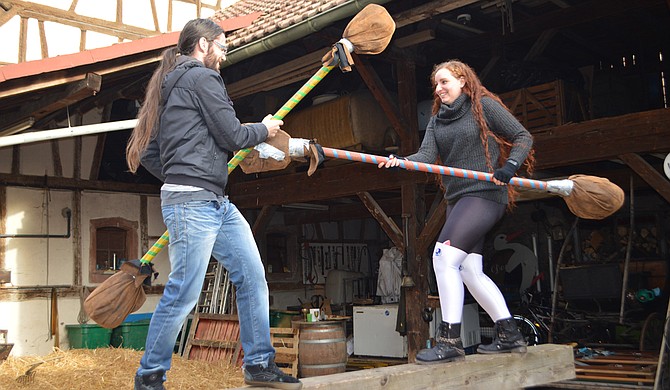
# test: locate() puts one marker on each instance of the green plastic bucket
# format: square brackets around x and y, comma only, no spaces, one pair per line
[88,336]
[130,335]
[282,319]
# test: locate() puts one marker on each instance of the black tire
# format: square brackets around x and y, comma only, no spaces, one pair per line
[529,330]
[651,335]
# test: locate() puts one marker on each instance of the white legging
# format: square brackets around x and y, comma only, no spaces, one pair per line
[453,267]
[482,288]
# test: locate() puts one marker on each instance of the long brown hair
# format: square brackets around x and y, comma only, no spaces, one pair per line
[147,118]
[476,91]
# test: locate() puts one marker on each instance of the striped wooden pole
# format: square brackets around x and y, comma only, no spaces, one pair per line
[156,248]
[560,187]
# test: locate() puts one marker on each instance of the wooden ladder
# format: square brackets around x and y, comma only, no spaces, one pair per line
[217,295]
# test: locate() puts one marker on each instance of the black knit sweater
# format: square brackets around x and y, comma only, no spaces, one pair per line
[454,136]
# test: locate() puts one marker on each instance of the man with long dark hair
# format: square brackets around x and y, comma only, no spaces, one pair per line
[186,130]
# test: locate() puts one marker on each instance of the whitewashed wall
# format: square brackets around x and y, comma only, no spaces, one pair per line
[38,261]
[49,262]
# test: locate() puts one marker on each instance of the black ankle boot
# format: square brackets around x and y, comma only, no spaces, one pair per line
[150,381]
[506,339]
[448,346]
[270,376]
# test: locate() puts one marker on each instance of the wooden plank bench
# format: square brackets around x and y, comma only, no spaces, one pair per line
[542,364]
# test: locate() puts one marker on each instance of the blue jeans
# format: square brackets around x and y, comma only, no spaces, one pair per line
[199,228]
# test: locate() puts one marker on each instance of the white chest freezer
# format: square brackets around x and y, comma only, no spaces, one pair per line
[375,334]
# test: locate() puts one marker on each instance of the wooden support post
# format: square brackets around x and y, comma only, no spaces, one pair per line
[77,276]
[3,224]
[407,105]
[415,296]
[144,223]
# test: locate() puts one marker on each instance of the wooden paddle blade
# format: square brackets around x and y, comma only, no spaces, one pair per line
[111,302]
[594,197]
[370,31]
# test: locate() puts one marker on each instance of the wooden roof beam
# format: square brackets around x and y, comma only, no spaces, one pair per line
[48,103]
[608,138]
[385,222]
[432,228]
[69,18]
[415,39]
[428,10]
[381,94]
[540,44]
[7,13]
[263,220]
[301,68]
[326,183]
[68,183]
[201,4]
[30,84]
[654,178]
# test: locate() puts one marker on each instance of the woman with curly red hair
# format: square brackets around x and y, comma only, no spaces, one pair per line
[471,129]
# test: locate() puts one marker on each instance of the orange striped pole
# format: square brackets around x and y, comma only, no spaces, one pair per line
[560,187]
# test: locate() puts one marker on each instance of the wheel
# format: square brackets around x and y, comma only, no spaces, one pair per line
[529,330]
[652,333]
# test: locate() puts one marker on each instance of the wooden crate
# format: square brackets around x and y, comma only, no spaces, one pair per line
[215,337]
[285,341]
[546,105]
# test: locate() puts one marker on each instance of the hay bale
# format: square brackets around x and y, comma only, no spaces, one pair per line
[112,368]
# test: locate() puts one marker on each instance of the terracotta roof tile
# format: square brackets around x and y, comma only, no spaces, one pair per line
[283,23]
[311,12]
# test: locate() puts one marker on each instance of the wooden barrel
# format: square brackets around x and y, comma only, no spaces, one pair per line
[322,349]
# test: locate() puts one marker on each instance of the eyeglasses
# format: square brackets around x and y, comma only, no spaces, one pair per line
[224,48]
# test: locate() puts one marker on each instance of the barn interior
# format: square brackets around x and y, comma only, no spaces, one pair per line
[588,79]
